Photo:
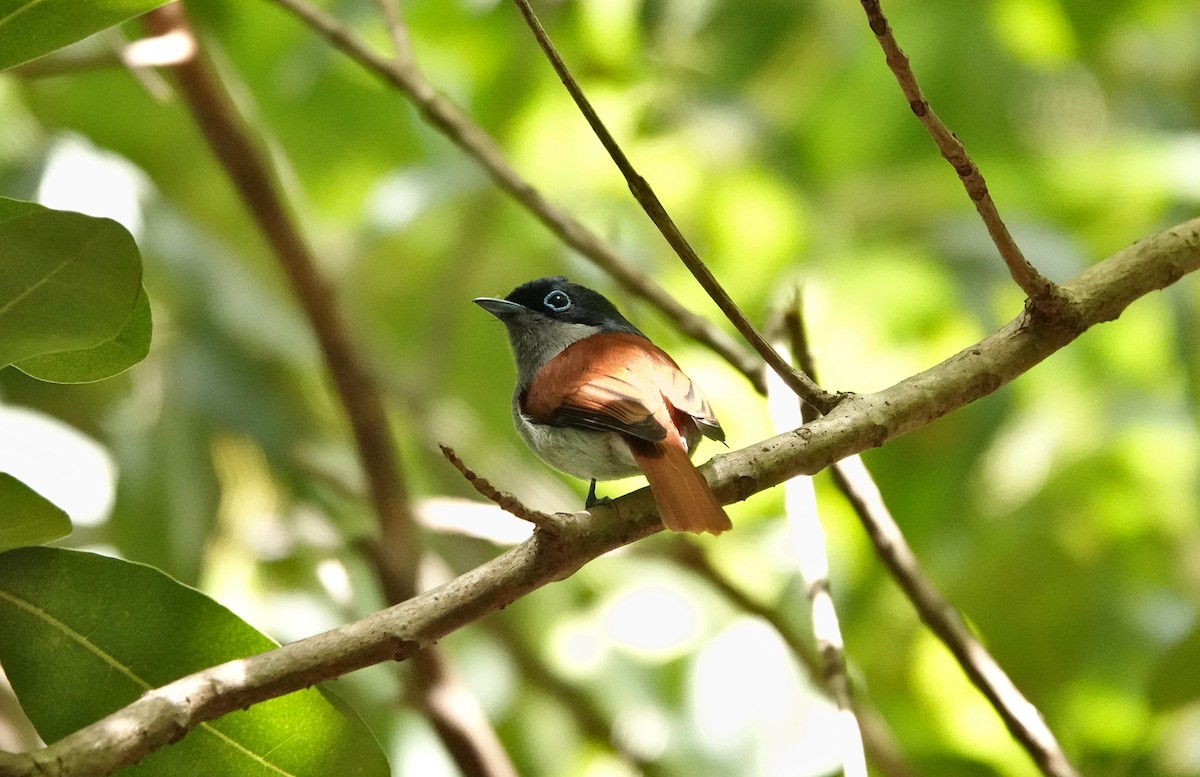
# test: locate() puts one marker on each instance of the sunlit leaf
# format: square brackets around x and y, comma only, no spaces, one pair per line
[83,635]
[112,357]
[31,28]
[26,517]
[67,281]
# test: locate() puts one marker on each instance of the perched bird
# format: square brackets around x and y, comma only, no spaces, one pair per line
[597,400]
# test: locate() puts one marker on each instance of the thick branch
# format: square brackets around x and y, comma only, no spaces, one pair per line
[448,119]
[1044,294]
[1102,292]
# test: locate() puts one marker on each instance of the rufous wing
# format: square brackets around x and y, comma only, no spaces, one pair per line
[620,382]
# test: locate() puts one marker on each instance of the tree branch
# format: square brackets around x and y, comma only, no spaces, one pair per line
[796,380]
[812,560]
[449,120]
[855,482]
[468,736]
[163,715]
[237,150]
[1023,720]
[1043,293]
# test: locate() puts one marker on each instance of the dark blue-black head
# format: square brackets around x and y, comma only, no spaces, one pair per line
[557,299]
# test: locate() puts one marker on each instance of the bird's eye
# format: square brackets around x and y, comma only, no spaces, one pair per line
[558,301]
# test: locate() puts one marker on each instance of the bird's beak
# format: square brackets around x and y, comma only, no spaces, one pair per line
[500,308]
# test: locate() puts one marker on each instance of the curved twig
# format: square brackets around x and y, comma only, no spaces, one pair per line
[796,380]
[1043,293]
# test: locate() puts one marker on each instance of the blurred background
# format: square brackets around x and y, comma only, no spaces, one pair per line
[1061,514]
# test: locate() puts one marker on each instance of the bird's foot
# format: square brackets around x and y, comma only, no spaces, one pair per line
[592,500]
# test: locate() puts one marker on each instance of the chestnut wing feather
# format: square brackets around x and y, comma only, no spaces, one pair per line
[681,392]
[607,382]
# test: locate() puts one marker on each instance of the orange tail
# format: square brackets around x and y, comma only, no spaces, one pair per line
[685,502]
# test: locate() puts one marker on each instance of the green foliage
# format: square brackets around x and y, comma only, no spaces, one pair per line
[26,517]
[31,28]
[83,635]
[111,357]
[68,282]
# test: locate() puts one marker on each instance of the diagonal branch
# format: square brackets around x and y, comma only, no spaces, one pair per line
[162,716]
[449,120]
[1023,720]
[854,480]
[1043,293]
[796,380]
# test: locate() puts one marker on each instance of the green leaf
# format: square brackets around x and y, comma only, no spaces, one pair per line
[83,635]
[27,517]
[112,357]
[67,281]
[31,28]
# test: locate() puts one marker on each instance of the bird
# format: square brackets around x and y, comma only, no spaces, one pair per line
[597,400]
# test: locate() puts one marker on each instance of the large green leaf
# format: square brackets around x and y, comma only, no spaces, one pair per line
[112,357]
[67,281]
[31,28]
[82,635]
[27,517]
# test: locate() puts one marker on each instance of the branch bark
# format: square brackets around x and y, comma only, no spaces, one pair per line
[1021,718]
[1043,293]
[462,726]
[163,715]
[855,482]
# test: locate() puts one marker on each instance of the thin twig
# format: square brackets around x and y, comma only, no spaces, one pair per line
[854,480]
[1043,293]
[1023,720]
[812,560]
[795,379]
[504,500]
[471,740]
[448,119]
[162,716]
[392,18]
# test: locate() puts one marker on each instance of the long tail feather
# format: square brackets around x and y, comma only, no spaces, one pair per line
[685,502]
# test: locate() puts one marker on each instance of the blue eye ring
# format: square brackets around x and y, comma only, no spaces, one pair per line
[558,301]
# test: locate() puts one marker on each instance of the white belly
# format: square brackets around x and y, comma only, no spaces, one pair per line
[580,453]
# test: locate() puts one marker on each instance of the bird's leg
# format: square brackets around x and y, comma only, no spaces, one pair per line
[591,500]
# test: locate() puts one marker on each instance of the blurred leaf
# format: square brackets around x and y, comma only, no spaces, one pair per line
[67,281]
[112,357]
[83,635]
[1175,680]
[31,28]
[27,517]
